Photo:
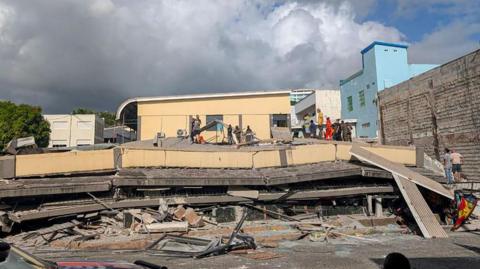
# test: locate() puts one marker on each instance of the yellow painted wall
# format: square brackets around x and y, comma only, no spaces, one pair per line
[235,159]
[270,158]
[65,162]
[170,115]
[143,158]
[405,156]
[313,154]
[343,152]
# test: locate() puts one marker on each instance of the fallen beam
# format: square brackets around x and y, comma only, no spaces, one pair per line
[49,189]
[424,217]
[316,194]
[399,169]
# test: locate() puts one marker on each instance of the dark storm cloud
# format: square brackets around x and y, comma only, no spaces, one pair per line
[63,54]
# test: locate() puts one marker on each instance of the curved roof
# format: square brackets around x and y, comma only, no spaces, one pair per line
[130,104]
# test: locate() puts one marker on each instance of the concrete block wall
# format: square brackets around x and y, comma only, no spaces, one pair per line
[437,109]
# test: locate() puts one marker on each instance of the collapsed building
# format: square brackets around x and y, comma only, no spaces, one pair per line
[42,189]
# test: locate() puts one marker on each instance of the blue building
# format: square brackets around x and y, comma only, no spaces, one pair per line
[383,66]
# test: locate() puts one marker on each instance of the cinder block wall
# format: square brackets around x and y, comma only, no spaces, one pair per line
[437,109]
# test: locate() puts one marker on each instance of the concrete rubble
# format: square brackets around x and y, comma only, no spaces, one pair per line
[198,212]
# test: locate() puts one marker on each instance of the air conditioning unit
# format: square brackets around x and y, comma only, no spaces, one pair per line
[157,140]
[182,133]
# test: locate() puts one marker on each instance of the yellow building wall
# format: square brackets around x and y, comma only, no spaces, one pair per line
[170,115]
[66,162]
[313,154]
[260,125]
[143,158]
[343,152]
[267,158]
[405,155]
[232,159]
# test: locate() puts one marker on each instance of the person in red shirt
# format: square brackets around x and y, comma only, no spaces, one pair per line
[328,130]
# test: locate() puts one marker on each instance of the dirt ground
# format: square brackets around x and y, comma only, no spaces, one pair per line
[461,250]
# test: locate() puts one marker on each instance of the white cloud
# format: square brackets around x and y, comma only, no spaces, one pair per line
[101,7]
[446,43]
[61,57]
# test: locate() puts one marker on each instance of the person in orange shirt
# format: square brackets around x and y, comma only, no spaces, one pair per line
[329,130]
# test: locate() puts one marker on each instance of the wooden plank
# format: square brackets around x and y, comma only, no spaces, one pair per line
[399,169]
[424,217]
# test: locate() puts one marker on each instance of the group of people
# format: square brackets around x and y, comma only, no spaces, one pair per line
[249,134]
[197,138]
[452,162]
[338,131]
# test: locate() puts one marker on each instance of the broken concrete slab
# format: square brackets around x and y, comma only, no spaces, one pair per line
[240,191]
[193,219]
[399,169]
[166,227]
[424,217]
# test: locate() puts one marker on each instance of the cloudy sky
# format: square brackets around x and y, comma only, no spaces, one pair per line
[62,54]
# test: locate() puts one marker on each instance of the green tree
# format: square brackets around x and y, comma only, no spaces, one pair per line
[109,117]
[20,121]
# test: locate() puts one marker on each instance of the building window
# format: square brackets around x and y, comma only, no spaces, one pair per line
[366,125]
[85,125]
[280,120]
[59,143]
[350,103]
[368,86]
[218,127]
[58,125]
[361,98]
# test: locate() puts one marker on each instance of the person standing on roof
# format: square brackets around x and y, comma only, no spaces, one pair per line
[343,128]
[349,132]
[337,131]
[192,132]
[306,125]
[313,129]
[457,161]
[320,123]
[249,134]
[238,134]
[329,130]
[447,165]
[196,128]
[230,134]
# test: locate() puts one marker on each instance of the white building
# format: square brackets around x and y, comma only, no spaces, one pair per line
[118,134]
[75,130]
[328,101]
[298,94]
